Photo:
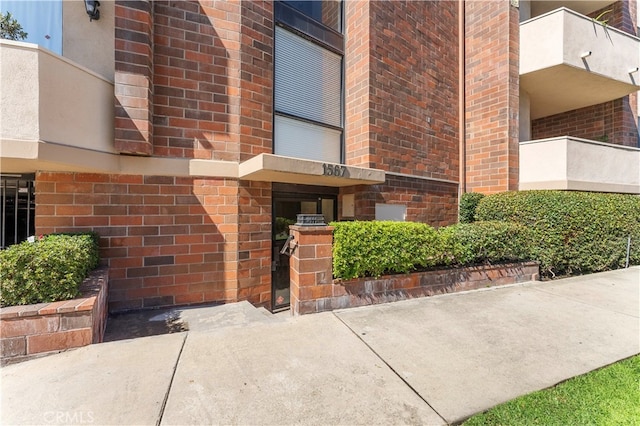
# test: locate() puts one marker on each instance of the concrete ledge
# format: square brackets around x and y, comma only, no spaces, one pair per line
[33,330]
[278,168]
[391,288]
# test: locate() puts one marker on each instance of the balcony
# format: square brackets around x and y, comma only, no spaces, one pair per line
[569,61]
[569,163]
[52,111]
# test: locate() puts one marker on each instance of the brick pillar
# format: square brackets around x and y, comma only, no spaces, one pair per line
[133,77]
[311,268]
[492,96]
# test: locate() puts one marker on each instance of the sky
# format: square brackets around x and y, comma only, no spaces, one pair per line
[41,19]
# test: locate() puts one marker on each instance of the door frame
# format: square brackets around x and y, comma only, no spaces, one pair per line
[304,195]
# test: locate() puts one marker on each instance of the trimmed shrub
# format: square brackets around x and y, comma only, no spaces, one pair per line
[47,270]
[468,203]
[571,232]
[373,248]
[484,242]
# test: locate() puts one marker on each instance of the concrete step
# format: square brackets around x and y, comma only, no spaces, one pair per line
[206,318]
[129,325]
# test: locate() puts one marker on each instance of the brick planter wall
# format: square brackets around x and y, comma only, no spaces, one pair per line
[313,290]
[30,330]
[391,288]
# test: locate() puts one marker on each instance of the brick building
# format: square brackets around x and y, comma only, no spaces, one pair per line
[189,134]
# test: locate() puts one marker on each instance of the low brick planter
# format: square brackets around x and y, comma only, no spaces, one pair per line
[390,288]
[30,330]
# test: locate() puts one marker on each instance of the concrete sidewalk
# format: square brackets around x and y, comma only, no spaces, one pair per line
[425,361]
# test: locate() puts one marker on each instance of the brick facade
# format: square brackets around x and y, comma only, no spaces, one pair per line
[427,201]
[612,122]
[401,105]
[213,79]
[194,80]
[492,96]
[166,240]
[133,77]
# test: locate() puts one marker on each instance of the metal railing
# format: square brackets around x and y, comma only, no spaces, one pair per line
[17,209]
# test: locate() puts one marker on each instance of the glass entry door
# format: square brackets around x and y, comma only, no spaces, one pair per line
[285,209]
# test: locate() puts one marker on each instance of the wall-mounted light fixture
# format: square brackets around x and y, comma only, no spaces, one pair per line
[92,9]
[586,54]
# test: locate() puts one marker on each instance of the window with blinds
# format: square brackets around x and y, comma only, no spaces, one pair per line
[308,119]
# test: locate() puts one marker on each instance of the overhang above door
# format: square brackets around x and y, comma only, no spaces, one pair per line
[276,168]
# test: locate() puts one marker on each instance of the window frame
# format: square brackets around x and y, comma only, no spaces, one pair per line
[296,22]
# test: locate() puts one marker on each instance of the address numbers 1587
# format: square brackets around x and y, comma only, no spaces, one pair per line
[334,170]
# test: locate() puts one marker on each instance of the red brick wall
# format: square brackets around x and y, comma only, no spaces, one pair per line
[194,79]
[613,122]
[492,85]
[202,73]
[254,241]
[133,77]
[166,240]
[427,201]
[413,96]
[256,78]
[357,83]
[196,99]
[401,105]
[321,297]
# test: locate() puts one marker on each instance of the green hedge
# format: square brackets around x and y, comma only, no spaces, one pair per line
[468,204]
[378,247]
[375,248]
[47,270]
[572,232]
[484,242]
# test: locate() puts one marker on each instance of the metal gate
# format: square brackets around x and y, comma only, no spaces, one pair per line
[18,208]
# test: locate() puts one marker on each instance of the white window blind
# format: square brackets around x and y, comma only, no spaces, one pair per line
[299,139]
[307,79]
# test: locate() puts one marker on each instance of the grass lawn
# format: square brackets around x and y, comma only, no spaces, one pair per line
[609,396]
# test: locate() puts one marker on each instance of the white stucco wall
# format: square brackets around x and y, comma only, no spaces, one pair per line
[562,36]
[90,44]
[48,98]
[579,164]
[20,91]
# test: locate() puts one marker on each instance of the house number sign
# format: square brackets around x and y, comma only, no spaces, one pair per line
[333,170]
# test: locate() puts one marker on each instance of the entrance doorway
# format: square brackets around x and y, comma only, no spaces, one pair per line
[286,207]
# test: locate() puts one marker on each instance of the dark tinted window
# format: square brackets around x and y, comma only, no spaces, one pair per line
[328,13]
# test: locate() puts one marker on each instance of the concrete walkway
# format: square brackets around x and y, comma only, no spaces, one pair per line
[425,361]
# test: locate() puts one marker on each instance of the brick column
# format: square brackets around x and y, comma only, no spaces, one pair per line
[133,77]
[492,96]
[311,268]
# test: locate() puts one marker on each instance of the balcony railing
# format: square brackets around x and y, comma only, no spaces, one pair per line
[570,163]
[569,61]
